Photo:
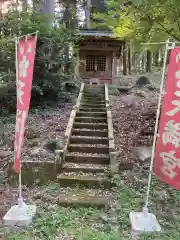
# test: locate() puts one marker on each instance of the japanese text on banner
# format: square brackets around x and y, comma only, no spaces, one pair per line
[167,155]
[25,57]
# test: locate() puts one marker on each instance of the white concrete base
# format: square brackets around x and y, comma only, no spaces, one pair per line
[19,215]
[144,222]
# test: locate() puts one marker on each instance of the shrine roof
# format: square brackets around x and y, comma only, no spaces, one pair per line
[96,33]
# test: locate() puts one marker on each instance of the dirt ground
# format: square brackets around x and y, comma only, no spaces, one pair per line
[133,129]
[42,126]
[50,124]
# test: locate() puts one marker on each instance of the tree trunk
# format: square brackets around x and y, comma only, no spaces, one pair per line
[124,59]
[16,6]
[162,57]
[149,61]
[35,5]
[129,58]
[132,56]
[87,11]
[142,62]
[47,7]
[70,14]
[24,5]
[1,10]
[136,63]
[156,58]
[168,56]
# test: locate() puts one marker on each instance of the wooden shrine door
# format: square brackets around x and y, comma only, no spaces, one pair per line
[97,65]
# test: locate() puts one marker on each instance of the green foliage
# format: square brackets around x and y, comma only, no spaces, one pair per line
[143,20]
[7,98]
[133,200]
[62,223]
[55,222]
[55,55]
[51,145]
[95,235]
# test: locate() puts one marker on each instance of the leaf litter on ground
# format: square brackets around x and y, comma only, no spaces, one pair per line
[133,129]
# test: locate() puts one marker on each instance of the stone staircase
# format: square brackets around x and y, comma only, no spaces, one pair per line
[83,166]
[86,157]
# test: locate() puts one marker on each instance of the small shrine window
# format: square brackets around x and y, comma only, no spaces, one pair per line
[101,63]
[95,63]
[90,63]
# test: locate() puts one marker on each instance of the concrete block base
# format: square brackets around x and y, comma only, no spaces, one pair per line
[144,222]
[19,215]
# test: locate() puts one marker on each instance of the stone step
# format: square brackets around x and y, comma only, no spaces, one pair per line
[84,179]
[85,148]
[87,158]
[89,132]
[94,96]
[91,119]
[94,92]
[92,88]
[93,105]
[86,109]
[92,101]
[91,114]
[88,140]
[90,125]
[88,198]
[81,167]
[87,86]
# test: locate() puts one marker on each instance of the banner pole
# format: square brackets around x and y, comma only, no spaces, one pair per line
[20,199]
[144,221]
[16,47]
[157,123]
[158,43]
[21,214]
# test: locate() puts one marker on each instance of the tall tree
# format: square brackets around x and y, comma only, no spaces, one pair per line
[143,21]
[70,13]
[124,59]
[149,61]
[24,4]
[47,6]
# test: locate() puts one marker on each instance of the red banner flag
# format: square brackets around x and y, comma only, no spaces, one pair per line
[167,155]
[25,64]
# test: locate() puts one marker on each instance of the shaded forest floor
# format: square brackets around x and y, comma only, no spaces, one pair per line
[134,129]
[134,135]
[58,223]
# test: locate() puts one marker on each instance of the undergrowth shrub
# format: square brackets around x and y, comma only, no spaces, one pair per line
[54,62]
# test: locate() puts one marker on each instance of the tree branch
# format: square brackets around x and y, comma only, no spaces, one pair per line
[160,24]
[169,32]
